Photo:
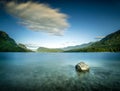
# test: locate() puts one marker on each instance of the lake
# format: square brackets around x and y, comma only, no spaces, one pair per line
[56,72]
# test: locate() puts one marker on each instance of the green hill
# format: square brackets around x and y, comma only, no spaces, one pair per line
[77,46]
[43,49]
[111,43]
[7,44]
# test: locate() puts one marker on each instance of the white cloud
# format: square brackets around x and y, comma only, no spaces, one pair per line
[39,17]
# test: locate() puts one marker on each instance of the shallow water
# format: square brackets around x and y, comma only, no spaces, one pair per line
[56,72]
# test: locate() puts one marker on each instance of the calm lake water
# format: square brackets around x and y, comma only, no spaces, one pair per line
[56,72]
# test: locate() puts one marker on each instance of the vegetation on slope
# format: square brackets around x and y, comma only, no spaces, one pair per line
[111,43]
[7,44]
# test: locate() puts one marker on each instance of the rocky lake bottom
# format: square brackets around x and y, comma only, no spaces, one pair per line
[56,72]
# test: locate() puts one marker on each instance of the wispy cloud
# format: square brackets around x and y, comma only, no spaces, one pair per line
[39,17]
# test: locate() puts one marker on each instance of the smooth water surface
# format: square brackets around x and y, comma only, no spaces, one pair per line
[56,72]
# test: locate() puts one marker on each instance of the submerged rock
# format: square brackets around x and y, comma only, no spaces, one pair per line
[82,67]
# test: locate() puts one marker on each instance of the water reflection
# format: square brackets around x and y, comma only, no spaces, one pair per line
[82,74]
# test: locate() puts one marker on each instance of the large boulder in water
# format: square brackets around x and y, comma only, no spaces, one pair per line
[82,67]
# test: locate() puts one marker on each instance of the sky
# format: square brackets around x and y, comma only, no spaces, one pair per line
[58,23]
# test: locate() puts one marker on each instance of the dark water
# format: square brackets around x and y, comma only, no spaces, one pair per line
[56,72]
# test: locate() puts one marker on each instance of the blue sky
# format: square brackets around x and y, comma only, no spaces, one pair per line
[72,22]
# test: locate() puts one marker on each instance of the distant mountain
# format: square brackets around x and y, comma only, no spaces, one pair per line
[22,46]
[43,49]
[7,44]
[77,46]
[110,43]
